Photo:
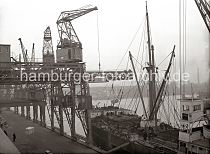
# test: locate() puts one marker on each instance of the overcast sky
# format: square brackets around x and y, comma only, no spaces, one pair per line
[118,22]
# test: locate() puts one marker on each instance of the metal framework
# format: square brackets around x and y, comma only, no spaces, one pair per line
[36,84]
[47,51]
[67,34]
[204,9]
[64,97]
[24,51]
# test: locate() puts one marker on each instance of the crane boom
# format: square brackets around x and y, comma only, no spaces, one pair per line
[33,54]
[67,34]
[204,9]
[24,51]
[73,14]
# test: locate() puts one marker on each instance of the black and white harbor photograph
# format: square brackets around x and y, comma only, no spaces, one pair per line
[105,76]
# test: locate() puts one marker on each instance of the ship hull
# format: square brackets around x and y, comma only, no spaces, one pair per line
[107,141]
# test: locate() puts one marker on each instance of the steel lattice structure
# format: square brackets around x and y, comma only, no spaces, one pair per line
[65,28]
[204,9]
[32,84]
[60,104]
[63,98]
[47,51]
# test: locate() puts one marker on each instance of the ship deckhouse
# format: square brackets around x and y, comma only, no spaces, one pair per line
[194,134]
[191,110]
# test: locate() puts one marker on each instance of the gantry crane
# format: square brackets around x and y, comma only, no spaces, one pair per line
[204,9]
[68,48]
[65,28]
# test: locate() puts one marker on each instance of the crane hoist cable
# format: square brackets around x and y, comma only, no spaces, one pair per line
[131,43]
[98,39]
[123,85]
[141,23]
[182,41]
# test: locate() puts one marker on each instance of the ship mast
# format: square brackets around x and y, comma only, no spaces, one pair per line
[151,69]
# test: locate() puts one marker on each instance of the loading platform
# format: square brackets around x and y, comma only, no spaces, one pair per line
[41,140]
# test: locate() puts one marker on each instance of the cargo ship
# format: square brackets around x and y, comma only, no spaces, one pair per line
[121,129]
[118,129]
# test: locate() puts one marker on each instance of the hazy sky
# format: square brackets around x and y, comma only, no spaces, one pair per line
[118,22]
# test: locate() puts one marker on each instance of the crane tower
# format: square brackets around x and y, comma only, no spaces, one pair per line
[48,54]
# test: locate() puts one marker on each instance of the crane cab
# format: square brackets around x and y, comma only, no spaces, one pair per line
[69,52]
